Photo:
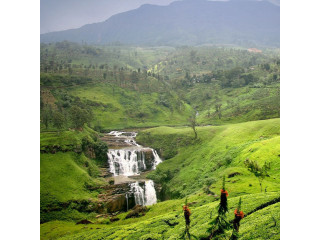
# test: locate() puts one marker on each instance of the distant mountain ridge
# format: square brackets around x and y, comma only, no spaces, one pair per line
[189,22]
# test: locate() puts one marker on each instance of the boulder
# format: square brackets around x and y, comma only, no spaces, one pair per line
[137,211]
[85,221]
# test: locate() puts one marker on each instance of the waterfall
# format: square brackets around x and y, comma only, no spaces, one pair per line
[145,195]
[131,160]
[157,159]
[150,193]
[126,162]
[138,192]
[127,201]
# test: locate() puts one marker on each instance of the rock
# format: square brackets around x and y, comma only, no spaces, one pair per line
[149,158]
[137,211]
[233,174]
[114,197]
[114,219]
[85,221]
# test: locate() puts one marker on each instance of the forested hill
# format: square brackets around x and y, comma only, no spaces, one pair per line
[189,22]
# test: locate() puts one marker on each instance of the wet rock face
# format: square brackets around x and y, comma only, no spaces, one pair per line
[149,159]
[118,203]
[115,198]
[116,142]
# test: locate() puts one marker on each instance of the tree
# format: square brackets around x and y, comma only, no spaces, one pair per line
[193,55]
[79,117]
[101,151]
[193,123]
[58,119]
[218,109]
[46,115]
[70,70]
[259,172]
[134,77]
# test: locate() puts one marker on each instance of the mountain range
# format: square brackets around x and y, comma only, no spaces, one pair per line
[188,22]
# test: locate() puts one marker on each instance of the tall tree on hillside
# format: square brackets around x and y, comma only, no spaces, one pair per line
[218,109]
[193,123]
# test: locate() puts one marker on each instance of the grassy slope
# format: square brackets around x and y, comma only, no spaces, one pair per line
[123,107]
[238,104]
[258,140]
[66,140]
[66,175]
[221,150]
[152,225]
[126,108]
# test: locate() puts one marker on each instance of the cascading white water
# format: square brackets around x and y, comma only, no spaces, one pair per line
[126,162]
[150,193]
[157,159]
[130,160]
[145,195]
[139,196]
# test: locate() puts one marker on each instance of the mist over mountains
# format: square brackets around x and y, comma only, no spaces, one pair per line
[189,22]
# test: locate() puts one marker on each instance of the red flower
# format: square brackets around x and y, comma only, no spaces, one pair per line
[186,210]
[224,192]
[239,214]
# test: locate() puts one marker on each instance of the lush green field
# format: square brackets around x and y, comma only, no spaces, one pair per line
[190,166]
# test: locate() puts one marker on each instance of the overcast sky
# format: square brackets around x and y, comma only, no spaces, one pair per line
[58,15]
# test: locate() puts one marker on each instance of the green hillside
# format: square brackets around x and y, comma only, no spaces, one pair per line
[69,169]
[232,94]
[219,151]
[191,168]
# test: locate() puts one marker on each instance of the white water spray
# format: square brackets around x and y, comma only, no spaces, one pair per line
[126,162]
[144,195]
[157,159]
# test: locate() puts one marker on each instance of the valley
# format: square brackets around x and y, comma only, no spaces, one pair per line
[129,134]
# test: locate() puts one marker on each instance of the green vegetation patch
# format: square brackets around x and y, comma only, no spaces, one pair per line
[220,150]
